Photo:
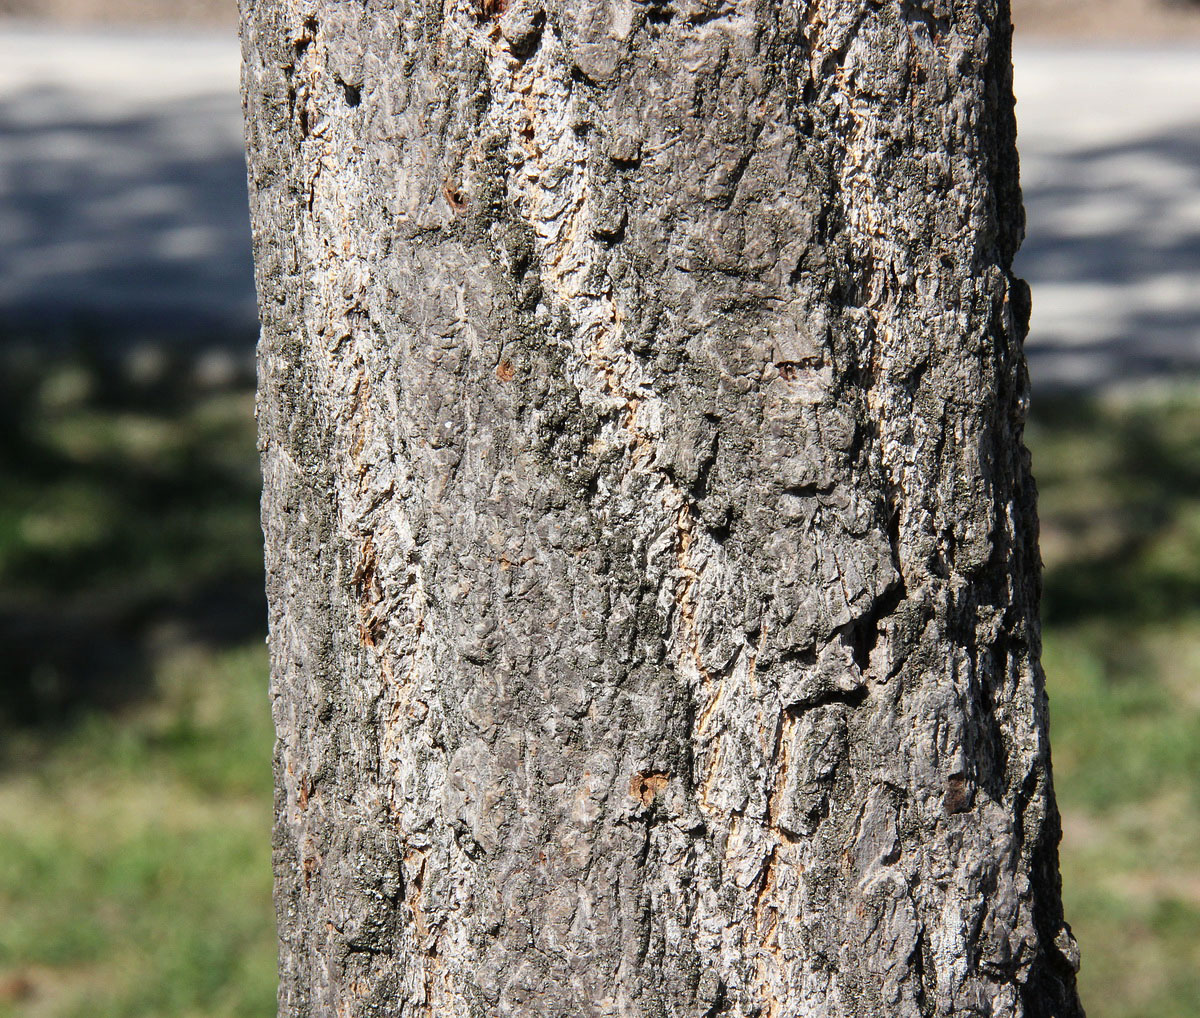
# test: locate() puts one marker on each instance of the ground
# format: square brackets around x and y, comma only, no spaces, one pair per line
[1107,20]
[1075,19]
[135,734]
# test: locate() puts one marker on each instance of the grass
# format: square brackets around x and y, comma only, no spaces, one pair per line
[134,854]
[135,739]
[1119,479]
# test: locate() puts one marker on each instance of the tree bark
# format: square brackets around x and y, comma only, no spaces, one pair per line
[651,546]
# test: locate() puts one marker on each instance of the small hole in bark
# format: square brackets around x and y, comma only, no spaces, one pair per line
[525,47]
[660,15]
[308,32]
[454,197]
[645,785]
[958,794]
[491,10]
[579,78]
[353,93]
[610,236]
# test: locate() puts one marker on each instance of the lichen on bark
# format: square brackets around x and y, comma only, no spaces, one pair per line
[651,546]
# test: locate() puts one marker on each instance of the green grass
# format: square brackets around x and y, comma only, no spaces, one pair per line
[1120,504]
[135,738]
[134,854]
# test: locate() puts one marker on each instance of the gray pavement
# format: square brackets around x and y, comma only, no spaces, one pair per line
[123,212]
[1110,166]
[123,187]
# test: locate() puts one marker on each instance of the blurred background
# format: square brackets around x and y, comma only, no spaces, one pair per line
[135,739]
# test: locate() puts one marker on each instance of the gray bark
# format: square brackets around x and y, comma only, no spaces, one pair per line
[651,545]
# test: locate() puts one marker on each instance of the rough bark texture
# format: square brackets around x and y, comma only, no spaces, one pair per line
[651,544]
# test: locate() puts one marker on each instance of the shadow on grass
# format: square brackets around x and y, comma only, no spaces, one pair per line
[128,522]
[1119,489]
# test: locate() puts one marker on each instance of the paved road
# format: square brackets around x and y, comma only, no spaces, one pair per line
[1110,163]
[123,186]
[122,197]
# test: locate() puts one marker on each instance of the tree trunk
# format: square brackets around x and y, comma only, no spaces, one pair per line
[651,546]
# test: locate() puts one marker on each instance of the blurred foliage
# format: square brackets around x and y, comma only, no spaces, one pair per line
[128,511]
[135,790]
[135,733]
[1119,483]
